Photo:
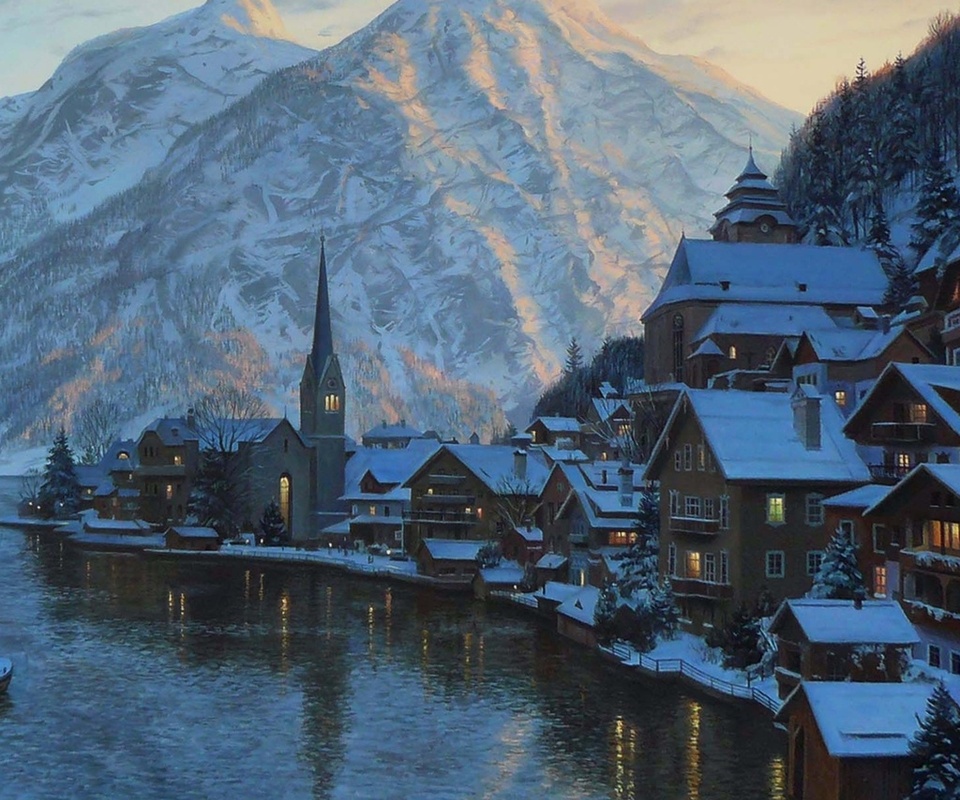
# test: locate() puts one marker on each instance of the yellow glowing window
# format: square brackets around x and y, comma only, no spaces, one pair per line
[178,461]
[331,403]
[693,564]
[169,491]
[775,509]
[732,352]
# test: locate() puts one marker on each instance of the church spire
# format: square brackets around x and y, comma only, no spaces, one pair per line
[322,332]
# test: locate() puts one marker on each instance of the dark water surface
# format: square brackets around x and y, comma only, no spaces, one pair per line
[139,678]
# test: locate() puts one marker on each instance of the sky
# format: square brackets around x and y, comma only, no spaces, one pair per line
[792,52]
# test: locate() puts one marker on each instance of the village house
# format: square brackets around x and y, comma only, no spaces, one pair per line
[876,539]
[392,437]
[551,430]
[840,640]
[168,453]
[926,557]
[451,564]
[851,741]
[743,476]
[186,537]
[117,495]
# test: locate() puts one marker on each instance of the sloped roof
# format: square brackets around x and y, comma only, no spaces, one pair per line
[925,379]
[384,432]
[861,497]
[581,606]
[557,424]
[948,475]
[111,460]
[387,466]
[840,622]
[494,465]
[752,437]
[529,534]
[606,407]
[852,344]
[864,720]
[193,532]
[771,273]
[707,347]
[172,431]
[452,549]
[764,319]
[551,561]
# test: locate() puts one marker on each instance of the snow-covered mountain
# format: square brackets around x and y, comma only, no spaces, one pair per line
[116,104]
[494,177]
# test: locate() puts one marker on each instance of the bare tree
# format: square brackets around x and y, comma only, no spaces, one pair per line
[30,484]
[227,416]
[96,429]
[650,415]
[517,501]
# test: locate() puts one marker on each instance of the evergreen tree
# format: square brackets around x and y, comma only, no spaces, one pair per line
[639,568]
[273,530]
[489,555]
[604,615]
[936,745]
[574,357]
[899,148]
[60,490]
[838,578]
[739,639]
[938,205]
[648,514]
[666,611]
[216,499]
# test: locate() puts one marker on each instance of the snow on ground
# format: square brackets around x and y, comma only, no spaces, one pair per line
[354,561]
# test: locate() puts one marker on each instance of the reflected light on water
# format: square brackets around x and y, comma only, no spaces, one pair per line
[262,576]
[694,774]
[778,777]
[246,587]
[624,758]
[370,628]
[284,630]
[388,616]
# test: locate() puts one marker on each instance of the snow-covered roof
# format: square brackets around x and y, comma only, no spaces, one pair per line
[387,466]
[764,319]
[92,523]
[581,606]
[771,273]
[851,344]
[948,475]
[602,508]
[529,534]
[494,465]
[551,561]
[193,532]
[861,497]
[394,495]
[864,720]
[707,347]
[89,475]
[112,460]
[507,573]
[841,622]
[939,253]
[613,559]
[556,453]
[557,424]
[752,438]
[171,430]
[606,407]
[452,549]
[925,379]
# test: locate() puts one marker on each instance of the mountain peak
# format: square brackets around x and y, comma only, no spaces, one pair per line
[252,17]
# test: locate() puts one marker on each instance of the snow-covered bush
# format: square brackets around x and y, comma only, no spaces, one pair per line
[936,746]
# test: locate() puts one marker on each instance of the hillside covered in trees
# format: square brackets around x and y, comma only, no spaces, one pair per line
[882,152]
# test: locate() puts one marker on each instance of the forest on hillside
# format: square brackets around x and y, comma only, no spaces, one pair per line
[881,149]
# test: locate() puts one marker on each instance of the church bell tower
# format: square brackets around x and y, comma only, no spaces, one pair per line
[322,409]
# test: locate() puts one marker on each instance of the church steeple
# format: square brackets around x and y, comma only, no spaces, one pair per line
[322,331]
[754,211]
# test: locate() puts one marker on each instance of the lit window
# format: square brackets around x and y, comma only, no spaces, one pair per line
[710,567]
[373,511]
[169,492]
[479,513]
[732,352]
[693,564]
[671,559]
[880,581]
[814,509]
[331,403]
[841,397]
[814,560]
[917,413]
[943,535]
[775,566]
[775,509]
[178,461]
[285,500]
[123,456]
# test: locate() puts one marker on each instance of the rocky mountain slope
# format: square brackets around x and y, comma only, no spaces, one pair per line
[493,177]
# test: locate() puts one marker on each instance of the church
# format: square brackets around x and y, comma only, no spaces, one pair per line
[301,469]
[729,302]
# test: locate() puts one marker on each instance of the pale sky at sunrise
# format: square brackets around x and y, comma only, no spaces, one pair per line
[792,52]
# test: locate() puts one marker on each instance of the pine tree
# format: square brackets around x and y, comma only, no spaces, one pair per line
[273,530]
[215,498]
[639,568]
[648,514]
[574,357]
[741,640]
[938,206]
[838,578]
[936,745]
[60,490]
[604,615]
[899,147]
[666,611]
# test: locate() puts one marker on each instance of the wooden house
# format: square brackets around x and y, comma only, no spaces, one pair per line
[451,563]
[184,537]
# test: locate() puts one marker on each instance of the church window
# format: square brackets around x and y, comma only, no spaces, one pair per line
[286,445]
[332,383]
[678,348]
[285,500]
[732,352]
[331,403]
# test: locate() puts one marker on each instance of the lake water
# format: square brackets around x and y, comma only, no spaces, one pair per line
[140,678]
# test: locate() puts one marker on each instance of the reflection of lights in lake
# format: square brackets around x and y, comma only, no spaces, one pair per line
[329,611]
[778,778]
[262,576]
[170,605]
[388,616]
[284,630]
[246,585]
[693,752]
[624,759]
[467,644]
[370,621]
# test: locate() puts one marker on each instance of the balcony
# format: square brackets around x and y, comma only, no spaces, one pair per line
[691,587]
[888,473]
[448,500]
[903,431]
[952,320]
[696,525]
[946,563]
[451,518]
[578,538]
[438,479]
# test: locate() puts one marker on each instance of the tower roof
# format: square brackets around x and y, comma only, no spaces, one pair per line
[751,197]
[322,332]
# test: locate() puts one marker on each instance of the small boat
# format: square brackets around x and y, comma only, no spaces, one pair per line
[6,673]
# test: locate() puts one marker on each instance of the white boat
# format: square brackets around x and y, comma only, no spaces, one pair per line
[6,673]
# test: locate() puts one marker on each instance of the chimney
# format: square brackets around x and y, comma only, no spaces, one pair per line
[806,416]
[626,484]
[885,323]
[520,464]
[474,438]
[858,595]
[192,418]
[403,423]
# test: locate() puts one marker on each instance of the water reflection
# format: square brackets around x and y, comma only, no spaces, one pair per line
[155,678]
